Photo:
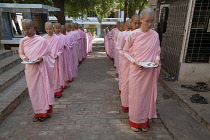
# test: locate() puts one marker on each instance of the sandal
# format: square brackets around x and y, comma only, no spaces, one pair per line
[58,96]
[169,78]
[135,129]
[203,100]
[35,119]
[41,119]
[187,86]
[195,98]
[125,111]
[144,129]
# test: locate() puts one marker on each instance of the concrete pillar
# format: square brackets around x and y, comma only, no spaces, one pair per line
[98,29]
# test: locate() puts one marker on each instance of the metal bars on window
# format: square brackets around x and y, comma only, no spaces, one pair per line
[198,49]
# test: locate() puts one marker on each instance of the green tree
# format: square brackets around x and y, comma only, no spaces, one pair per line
[131,6]
[81,8]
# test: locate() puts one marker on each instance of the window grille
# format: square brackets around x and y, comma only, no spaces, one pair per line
[199,40]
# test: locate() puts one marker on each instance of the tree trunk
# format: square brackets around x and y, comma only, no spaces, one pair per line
[125,10]
[131,11]
[60,14]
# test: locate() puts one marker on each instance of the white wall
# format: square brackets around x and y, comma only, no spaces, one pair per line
[194,72]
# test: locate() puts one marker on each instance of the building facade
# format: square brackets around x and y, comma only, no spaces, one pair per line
[184,30]
[92,22]
[11,16]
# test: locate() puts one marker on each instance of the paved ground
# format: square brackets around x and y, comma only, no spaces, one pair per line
[89,109]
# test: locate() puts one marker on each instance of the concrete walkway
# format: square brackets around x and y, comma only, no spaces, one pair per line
[89,109]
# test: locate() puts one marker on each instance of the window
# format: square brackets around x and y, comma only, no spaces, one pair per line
[16,23]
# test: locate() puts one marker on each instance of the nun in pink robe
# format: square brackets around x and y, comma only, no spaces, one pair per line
[115,32]
[118,43]
[87,43]
[75,56]
[90,42]
[81,43]
[124,71]
[84,44]
[105,42]
[142,47]
[112,43]
[79,46]
[109,39]
[56,48]
[39,77]
[117,37]
[67,71]
[72,54]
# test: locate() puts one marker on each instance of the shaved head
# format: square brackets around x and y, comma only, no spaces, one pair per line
[118,25]
[28,22]
[63,29]
[76,25]
[147,12]
[49,24]
[68,24]
[68,27]
[57,28]
[128,22]
[147,19]
[127,25]
[49,28]
[135,21]
[57,24]
[121,26]
[134,17]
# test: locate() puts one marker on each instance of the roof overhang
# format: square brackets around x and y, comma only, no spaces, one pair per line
[34,8]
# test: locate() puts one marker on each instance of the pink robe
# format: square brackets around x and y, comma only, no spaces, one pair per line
[73,53]
[115,33]
[123,71]
[84,44]
[56,48]
[90,42]
[79,45]
[142,47]
[39,77]
[109,39]
[112,43]
[69,56]
[67,75]
[74,45]
[116,59]
[105,42]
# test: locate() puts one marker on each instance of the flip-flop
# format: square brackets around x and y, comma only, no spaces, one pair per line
[195,98]
[144,129]
[187,86]
[135,129]
[203,100]
[58,96]
[35,119]
[41,119]
[169,78]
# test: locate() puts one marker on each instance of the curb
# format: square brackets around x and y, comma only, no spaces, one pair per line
[174,95]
